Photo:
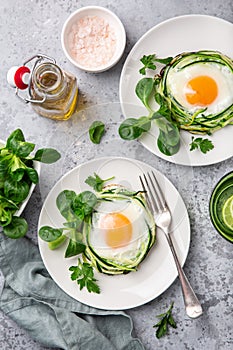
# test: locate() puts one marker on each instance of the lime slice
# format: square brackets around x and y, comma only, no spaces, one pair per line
[227,212]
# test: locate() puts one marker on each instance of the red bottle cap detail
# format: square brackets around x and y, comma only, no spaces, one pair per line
[18,77]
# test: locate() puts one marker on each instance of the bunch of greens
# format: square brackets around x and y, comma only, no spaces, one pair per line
[150,60]
[132,128]
[17,174]
[77,210]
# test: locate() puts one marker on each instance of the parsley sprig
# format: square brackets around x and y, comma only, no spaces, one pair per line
[204,145]
[84,275]
[166,320]
[96,182]
[150,60]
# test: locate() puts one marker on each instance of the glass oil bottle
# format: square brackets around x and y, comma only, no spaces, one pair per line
[53,93]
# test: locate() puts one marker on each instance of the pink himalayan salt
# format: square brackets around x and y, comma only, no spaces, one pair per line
[92,41]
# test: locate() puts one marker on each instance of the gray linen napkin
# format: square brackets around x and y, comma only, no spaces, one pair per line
[34,301]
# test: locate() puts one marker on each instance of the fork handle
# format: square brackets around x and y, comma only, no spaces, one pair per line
[192,304]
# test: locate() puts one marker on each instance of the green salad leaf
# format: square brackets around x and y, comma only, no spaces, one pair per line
[17,174]
[7,209]
[76,209]
[47,155]
[96,131]
[168,140]
[74,248]
[64,203]
[83,204]
[17,228]
[49,234]
[57,242]
[144,89]
[16,190]
[133,128]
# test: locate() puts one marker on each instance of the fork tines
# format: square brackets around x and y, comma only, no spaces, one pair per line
[154,195]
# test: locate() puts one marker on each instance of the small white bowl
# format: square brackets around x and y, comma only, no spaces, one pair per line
[114,23]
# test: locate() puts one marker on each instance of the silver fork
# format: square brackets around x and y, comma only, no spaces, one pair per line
[162,216]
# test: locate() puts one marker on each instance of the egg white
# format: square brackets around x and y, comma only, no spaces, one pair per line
[177,80]
[138,218]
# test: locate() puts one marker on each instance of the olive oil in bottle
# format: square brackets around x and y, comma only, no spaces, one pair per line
[58,89]
[52,91]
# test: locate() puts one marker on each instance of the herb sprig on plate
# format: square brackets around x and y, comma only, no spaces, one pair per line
[149,61]
[96,182]
[204,145]
[83,274]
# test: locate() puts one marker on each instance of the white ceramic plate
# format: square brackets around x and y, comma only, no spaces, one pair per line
[174,36]
[155,274]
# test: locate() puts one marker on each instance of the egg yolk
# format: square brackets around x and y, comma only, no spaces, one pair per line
[201,91]
[118,229]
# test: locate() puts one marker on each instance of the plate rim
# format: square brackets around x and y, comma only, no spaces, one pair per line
[129,56]
[185,252]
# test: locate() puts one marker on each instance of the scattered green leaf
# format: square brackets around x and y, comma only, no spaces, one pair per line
[96,131]
[47,155]
[166,320]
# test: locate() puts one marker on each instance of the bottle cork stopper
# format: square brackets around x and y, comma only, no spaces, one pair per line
[18,77]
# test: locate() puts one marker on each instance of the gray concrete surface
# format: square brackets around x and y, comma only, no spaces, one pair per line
[31,26]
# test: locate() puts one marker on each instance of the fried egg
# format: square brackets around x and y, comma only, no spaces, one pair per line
[120,230]
[202,85]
